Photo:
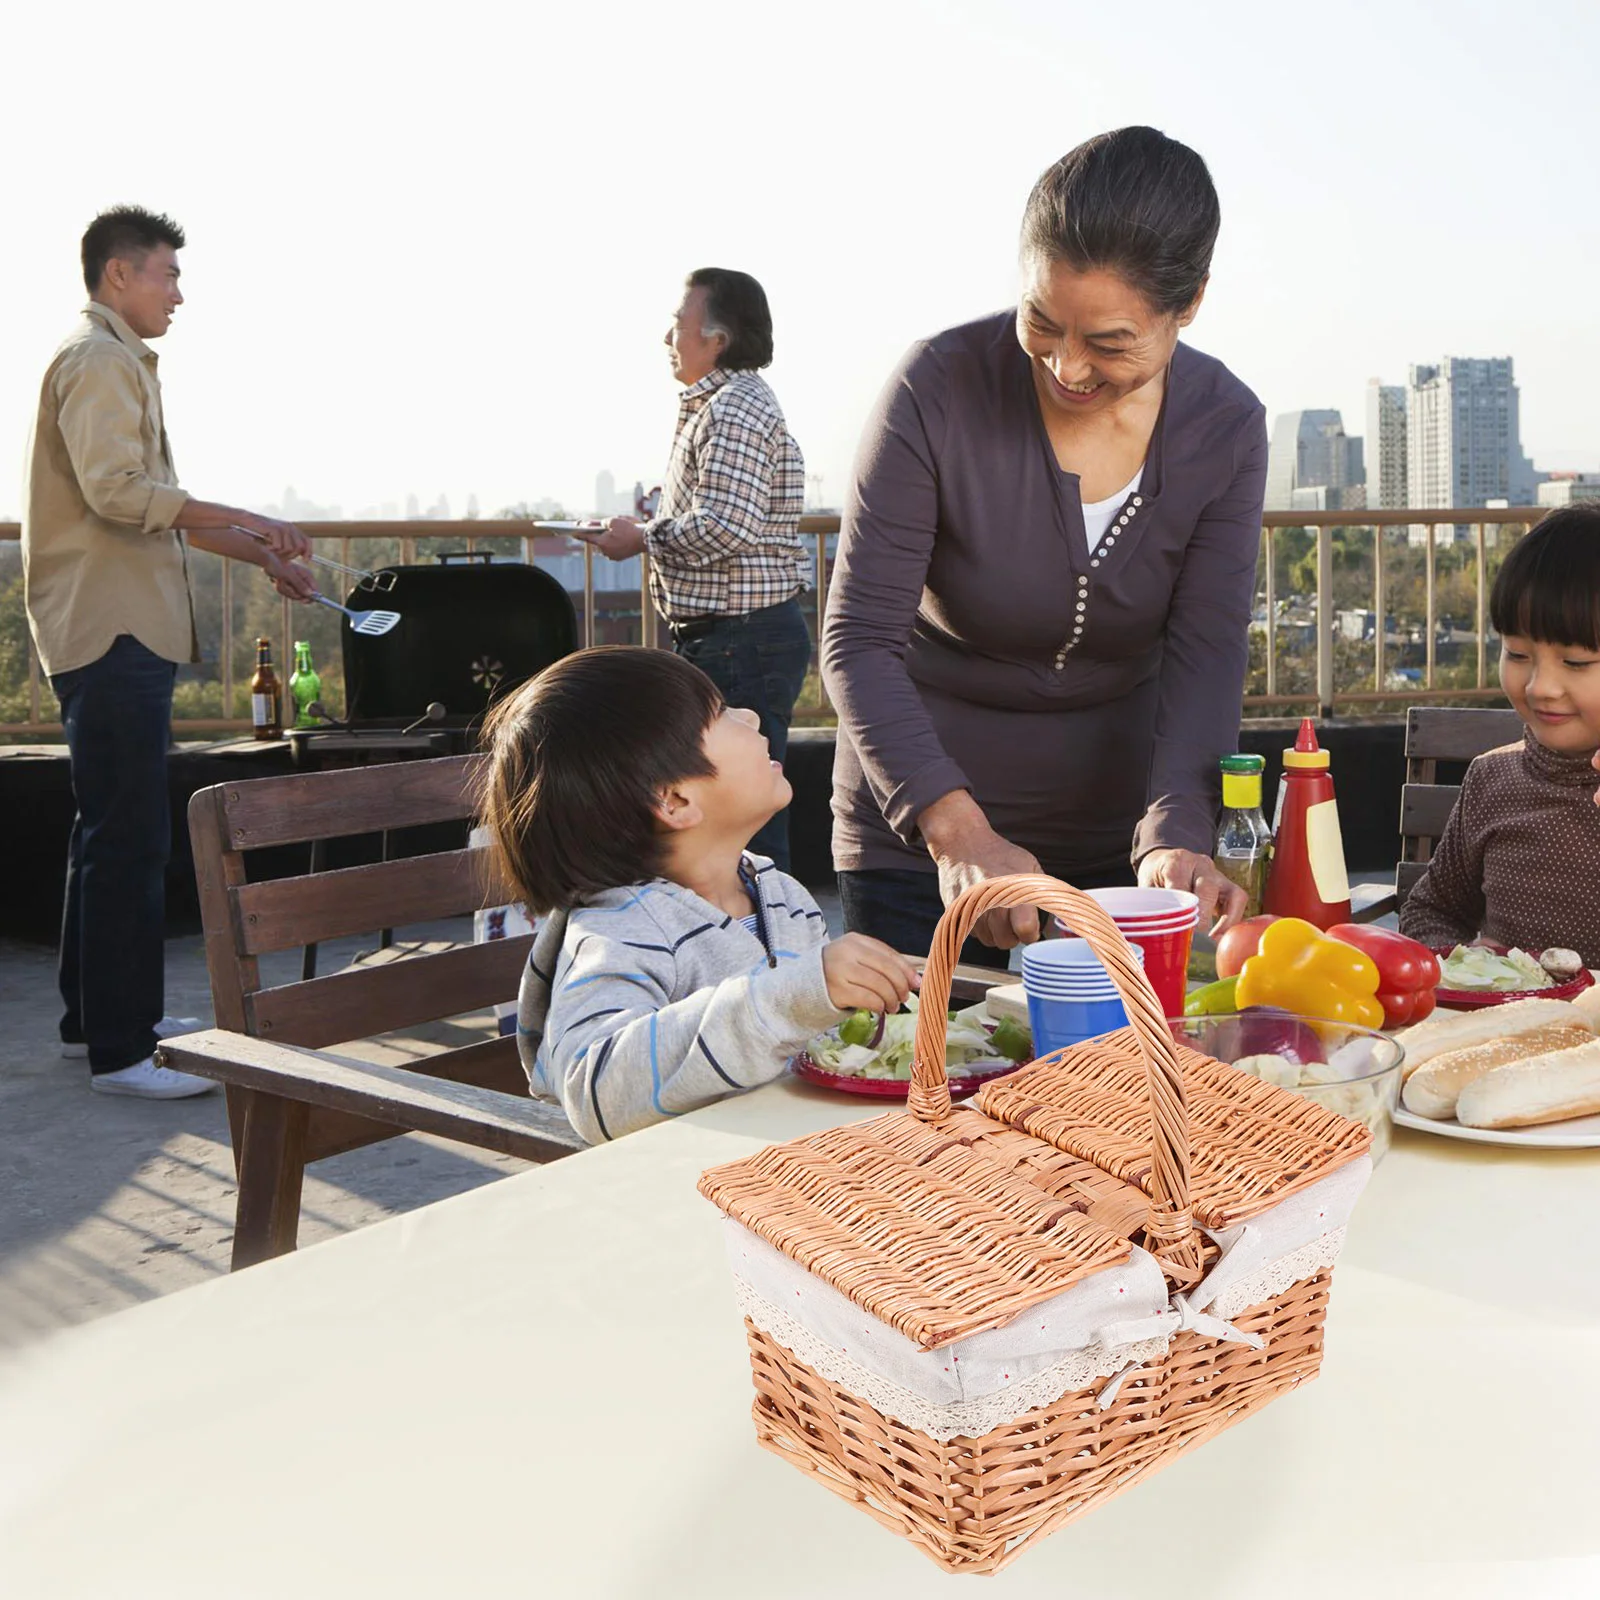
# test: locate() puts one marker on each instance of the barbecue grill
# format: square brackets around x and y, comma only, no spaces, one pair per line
[471,629]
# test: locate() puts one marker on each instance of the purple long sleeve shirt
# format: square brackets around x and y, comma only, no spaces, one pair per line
[952,649]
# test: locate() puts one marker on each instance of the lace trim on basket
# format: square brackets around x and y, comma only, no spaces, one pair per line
[1269,1281]
[966,1418]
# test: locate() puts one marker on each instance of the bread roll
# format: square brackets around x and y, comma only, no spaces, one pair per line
[1587,1005]
[1547,1088]
[1460,1030]
[1432,1090]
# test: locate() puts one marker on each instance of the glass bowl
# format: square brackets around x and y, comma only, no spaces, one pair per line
[1352,1071]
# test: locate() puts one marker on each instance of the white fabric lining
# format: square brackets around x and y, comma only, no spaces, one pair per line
[969,1419]
[973,1417]
[1277,1276]
[1250,1247]
[964,1369]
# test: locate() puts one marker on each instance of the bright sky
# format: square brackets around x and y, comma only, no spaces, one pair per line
[433,249]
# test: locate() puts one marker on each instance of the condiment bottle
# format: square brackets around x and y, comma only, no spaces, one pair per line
[1244,842]
[1308,876]
[266,698]
[305,686]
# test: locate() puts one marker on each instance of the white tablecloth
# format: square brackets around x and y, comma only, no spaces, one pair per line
[541,1389]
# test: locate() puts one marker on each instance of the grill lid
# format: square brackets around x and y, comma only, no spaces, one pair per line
[470,630]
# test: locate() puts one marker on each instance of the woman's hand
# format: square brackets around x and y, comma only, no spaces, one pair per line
[967,851]
[1222,902]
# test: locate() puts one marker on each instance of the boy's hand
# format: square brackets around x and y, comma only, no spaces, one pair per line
[866,975]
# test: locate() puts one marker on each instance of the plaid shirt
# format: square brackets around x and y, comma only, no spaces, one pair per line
[728,538]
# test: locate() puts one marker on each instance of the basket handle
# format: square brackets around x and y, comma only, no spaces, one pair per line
[1170,1227]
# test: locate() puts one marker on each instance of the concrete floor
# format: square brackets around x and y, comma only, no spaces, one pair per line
[110,1201]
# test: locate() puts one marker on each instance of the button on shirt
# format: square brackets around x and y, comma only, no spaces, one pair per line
[100,554]
[728,538]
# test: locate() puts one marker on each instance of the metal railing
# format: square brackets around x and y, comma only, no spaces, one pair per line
[1322,694]
[1422,529]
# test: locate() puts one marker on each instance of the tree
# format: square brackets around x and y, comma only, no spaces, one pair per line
[13,652]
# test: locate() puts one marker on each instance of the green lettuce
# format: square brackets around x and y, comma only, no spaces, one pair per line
[970,1040]
[1470,966]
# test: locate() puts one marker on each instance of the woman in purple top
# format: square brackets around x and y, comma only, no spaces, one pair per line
[1037,629]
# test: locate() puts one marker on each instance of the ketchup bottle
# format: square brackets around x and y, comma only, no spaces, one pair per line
[1308,877]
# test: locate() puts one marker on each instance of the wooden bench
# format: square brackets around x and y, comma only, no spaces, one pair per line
[1453,735]
[293,1100]
[290,1099]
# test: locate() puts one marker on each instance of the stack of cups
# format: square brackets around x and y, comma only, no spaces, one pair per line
[1161,924]
[1071,996]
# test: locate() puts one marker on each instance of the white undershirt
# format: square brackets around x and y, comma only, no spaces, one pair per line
[1097,514]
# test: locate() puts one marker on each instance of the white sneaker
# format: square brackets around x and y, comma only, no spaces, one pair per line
[166,1028]
[149,1082]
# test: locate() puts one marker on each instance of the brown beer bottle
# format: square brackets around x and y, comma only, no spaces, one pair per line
[266,697]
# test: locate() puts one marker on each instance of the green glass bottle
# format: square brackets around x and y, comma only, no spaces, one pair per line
[304,686]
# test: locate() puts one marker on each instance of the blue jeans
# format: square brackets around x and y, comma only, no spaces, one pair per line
[759,661]
[118,717]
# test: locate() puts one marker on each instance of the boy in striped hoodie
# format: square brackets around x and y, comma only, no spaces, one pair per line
[673,967]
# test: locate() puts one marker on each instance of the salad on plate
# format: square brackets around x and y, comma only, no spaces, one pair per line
[868,1044]
[1472,966]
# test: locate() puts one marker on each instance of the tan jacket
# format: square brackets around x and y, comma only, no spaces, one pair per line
[100,555]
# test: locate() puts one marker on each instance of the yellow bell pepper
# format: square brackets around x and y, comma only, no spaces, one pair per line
[1301,970]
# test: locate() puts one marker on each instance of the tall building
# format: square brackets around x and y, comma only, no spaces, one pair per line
[1463,435]
[1386,444]
[1569,489]
[1310,450]
[605,495]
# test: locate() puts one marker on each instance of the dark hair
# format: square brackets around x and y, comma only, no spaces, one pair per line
[1133,202]
[129,232]
[577,759]
[1548,588]
[737,306]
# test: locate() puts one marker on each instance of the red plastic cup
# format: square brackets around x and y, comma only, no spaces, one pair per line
[1162,923]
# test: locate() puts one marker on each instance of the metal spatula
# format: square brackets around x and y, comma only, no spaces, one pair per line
[371,623]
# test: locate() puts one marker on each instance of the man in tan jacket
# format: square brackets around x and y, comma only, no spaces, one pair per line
[105,539]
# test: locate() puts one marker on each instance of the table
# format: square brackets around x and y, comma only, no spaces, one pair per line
[540,1388]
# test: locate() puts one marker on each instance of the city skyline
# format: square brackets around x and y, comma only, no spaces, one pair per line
[1449,436]
[475,301]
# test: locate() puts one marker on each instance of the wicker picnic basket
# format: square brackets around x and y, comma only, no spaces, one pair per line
[901,1244]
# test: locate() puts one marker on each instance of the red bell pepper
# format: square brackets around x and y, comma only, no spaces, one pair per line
[1408,972]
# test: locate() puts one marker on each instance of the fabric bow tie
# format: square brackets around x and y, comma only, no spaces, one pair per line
[1179,1317]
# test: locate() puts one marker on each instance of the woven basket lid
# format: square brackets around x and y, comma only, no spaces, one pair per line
[936,1229]
[1251,1144]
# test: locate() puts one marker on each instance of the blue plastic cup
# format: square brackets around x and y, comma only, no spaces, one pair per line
[1071,996]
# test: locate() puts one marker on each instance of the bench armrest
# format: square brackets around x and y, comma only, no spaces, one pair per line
[1374,910]
[407,1100]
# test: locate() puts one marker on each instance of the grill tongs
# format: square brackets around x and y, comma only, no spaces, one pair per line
[378,582]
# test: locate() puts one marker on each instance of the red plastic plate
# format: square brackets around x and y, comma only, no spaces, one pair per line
[1477,999]
[971,1078]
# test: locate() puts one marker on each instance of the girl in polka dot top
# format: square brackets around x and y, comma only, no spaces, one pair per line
[1519,861]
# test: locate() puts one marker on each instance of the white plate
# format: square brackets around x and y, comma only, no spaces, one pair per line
[571,527]
[1576,1133]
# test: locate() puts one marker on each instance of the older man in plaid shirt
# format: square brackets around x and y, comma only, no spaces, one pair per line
[726,563]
